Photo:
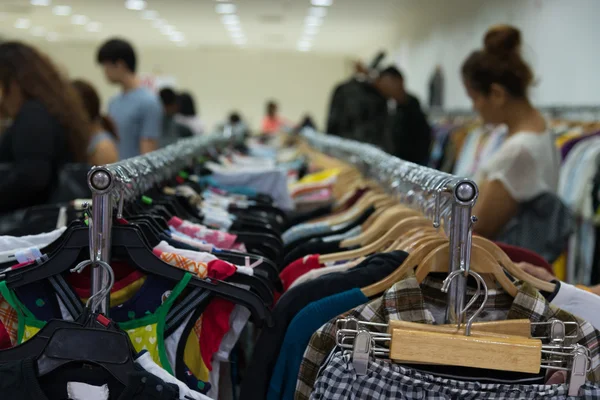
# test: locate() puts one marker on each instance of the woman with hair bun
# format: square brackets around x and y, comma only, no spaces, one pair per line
[497,80]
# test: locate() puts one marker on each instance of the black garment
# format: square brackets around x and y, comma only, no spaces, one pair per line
[19,381]
[358,111]
[299,217]
[436,89]
[339,229]
[314,246]
[36,147]
[409,135]
[265,354]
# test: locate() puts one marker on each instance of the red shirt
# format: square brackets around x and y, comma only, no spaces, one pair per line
[298,268]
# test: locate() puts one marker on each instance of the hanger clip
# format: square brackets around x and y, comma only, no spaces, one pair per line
[579,370]
[361,352]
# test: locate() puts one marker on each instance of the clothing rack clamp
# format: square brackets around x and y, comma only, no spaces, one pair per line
[127,180]
[404,179]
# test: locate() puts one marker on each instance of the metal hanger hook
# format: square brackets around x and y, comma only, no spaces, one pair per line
[480,282]
[102,294]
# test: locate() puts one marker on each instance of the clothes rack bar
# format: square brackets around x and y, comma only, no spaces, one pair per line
[392,172]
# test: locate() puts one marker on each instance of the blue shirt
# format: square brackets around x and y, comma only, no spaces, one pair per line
[138,115]
[297,337]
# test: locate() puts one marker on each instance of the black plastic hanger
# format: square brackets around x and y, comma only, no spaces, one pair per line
[127,241]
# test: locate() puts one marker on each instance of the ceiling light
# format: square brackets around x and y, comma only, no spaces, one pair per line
[233,28]
[94,27]
[177,37]
[313,21]
[159,23]
[237,35]
[167,29]
[311,30]
[52,36]
[40,2]
[136,5]
[230,19]
[225,8]
[318,12]
[149,14]
[322,3]
[22,23]
[79,20]
[61,10]
[38,31]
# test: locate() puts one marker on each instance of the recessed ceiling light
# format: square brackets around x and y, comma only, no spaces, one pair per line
[177,36]
[322,3]
[61,10]
[313,21]
[38,31]
[233,28]
[79,19]
[94,27]
[22,23]
[136,5]
[150,14]
[225,8]
[311,30]
[230,19]
[318,12]
[40,2]
[167,29]
[52,36]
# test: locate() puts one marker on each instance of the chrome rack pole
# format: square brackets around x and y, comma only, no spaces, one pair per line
[101,181]
[464,192]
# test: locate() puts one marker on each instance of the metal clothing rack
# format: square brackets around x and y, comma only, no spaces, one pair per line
[126,180]
[451,195]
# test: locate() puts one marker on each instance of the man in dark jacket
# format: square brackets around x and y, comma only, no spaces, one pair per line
[359,107]
[380,112]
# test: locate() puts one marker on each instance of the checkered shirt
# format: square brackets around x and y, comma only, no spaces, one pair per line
[387,380]
[406,301]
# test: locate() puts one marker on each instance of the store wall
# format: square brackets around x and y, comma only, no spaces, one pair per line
[561,42]
[223,80]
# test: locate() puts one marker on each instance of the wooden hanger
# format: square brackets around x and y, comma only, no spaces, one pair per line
[409,263]
[481,262]
[515,327]
[479,350]
[386,219]
[388,237]
[502,258]
[488,350]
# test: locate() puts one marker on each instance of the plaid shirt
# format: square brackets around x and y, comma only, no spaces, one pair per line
[409,301]
[387,380]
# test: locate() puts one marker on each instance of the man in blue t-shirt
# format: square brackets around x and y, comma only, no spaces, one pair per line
[136,111]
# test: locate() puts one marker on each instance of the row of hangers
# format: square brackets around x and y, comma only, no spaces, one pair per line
[131,237]
[504,345]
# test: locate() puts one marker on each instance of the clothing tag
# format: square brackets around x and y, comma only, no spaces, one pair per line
[83,391]
[28,255]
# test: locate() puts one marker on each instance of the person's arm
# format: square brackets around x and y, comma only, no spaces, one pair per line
[494,208]
[511,178]
[105,153]
[34,140]
[151,126]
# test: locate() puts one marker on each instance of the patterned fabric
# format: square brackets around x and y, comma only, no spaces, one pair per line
[8,317]
[220,239]
[407,301]
[386,380]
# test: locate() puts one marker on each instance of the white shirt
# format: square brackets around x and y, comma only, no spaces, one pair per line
[578,302]
[527,164]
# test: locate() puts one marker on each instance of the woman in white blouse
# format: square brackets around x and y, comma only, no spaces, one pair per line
[497,80]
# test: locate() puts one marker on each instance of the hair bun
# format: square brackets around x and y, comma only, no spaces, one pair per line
[502,40]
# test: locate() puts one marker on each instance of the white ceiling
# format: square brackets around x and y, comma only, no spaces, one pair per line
[350,26]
